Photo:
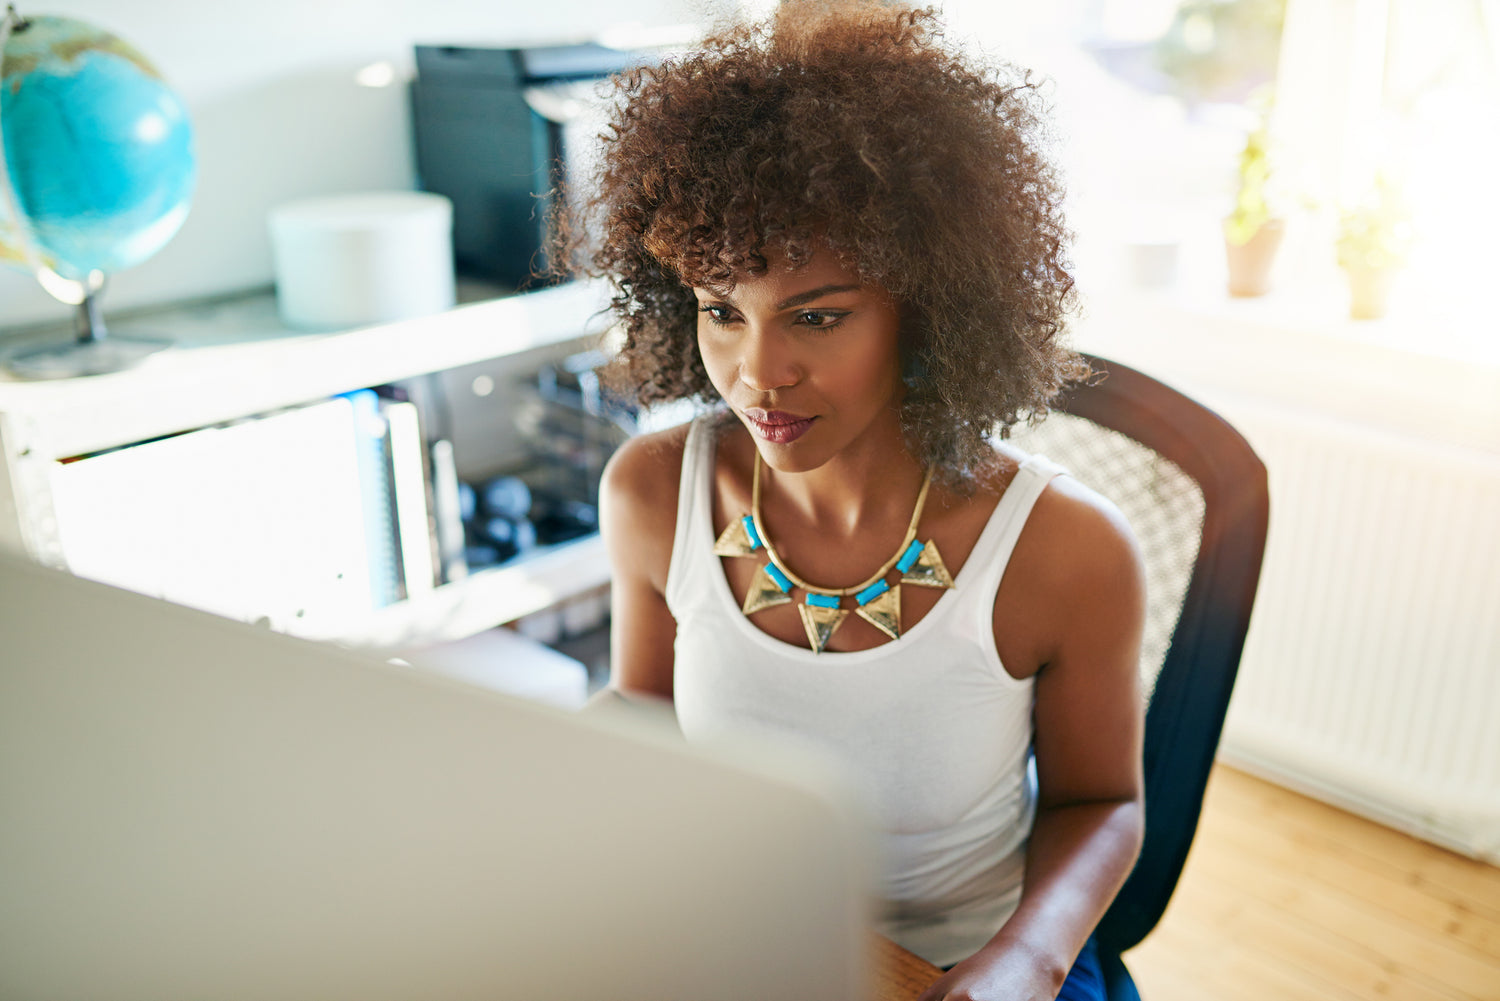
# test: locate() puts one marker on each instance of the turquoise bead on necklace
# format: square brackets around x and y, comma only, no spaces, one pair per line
[876,600]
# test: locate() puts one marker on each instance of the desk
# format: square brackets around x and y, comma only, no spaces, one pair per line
[899,975]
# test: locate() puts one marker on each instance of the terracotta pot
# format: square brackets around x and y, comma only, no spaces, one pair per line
[1369,291]
[1250,262]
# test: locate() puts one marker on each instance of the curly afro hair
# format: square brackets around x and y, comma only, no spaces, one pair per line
[850,126]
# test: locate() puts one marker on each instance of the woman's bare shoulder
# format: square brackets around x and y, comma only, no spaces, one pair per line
[647,468]
[1076,570]
[1082,553]
[1067,509]
[638,503]
[1083,531]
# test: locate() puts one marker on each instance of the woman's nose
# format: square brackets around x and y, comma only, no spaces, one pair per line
[767,361]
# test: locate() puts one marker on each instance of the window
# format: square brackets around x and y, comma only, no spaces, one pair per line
[1153,103]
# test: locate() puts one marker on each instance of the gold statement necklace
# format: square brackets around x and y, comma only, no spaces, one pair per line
[875,600]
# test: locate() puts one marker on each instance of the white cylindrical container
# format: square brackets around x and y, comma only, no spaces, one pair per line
[353,260]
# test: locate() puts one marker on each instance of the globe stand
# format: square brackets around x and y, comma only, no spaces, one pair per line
[93,352]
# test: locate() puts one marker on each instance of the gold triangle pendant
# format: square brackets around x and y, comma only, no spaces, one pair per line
[820,624]
[736,540]
[928,570]
[764,593]
[884,612]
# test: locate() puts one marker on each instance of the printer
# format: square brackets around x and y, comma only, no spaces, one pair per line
[497,130]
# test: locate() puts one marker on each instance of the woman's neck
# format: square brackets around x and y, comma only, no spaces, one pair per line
[875,478]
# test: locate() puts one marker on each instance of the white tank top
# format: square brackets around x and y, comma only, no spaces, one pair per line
[931,723]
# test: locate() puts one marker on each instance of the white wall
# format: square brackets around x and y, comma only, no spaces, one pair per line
[271,90]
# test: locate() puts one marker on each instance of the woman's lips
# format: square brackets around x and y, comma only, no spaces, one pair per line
[777,426]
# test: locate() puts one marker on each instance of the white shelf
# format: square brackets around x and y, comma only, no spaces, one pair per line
[233,359]
[485,599]
[252,365]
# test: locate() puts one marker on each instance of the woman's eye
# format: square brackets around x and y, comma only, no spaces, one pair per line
[716,314]
[820,318]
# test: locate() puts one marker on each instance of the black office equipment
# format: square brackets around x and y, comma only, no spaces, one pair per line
[489,127]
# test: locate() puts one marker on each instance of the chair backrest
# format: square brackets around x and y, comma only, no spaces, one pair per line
[1195,493]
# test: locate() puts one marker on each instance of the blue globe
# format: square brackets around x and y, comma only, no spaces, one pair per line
[97,149]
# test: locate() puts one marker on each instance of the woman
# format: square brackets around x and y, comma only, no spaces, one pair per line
[848,234]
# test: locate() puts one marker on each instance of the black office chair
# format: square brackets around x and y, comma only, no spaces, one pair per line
[1195,494]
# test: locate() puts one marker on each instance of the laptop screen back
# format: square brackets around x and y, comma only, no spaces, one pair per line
[193,807]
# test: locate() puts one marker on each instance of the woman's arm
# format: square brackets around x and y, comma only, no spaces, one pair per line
[638,517]
[1078,578]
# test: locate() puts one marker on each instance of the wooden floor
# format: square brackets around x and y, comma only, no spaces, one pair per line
[1287,899]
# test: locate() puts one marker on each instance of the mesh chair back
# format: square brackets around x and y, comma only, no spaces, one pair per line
[1163,504]
[1195,494]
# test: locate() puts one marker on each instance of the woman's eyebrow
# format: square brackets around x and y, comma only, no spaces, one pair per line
[790,301]
[811,294]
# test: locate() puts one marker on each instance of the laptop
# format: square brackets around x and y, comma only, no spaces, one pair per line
[194,807]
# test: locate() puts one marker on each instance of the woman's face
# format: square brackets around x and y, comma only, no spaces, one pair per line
[807,358]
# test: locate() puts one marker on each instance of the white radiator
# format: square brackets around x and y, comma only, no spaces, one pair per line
[1371,674]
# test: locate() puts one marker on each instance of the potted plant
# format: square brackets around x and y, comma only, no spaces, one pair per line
[1253,231]
[1374,239]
